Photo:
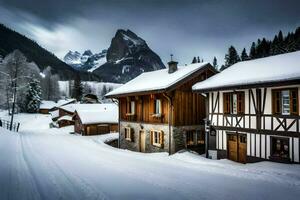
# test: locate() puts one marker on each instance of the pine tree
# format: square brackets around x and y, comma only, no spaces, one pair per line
[215,63]
[231,57]
[33,96]
[252,54]
[77,88]
[194,60]
[244,55]
[198,59]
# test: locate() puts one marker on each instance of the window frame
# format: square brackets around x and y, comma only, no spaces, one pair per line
[159,108]
[282,143]
[128,134]
[156,137]
[198,136]
[237,108]
[190,135]
[277,102]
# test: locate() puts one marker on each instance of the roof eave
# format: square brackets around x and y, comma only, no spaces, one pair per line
[253,85]
[166,89]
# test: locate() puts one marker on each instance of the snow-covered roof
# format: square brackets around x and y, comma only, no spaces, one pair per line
[63,102]
[54,114]
[273,69]
[51,104]
[98,113]
[65,117]
[75,106]
[156,80]
[47,104]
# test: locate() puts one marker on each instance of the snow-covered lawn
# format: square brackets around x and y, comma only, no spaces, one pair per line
[43,163]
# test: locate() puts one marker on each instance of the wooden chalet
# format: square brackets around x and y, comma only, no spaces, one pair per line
[96,119]
[65,120]
[254,110]
[90,98]
[159,112]
[47,107]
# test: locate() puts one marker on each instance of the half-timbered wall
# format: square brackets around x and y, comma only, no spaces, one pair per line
[258,122]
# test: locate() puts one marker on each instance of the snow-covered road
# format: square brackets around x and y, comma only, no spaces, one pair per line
[43,163]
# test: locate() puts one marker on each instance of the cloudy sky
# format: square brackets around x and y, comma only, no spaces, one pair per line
[185,28]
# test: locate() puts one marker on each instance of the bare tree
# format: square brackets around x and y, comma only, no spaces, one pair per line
[15,73]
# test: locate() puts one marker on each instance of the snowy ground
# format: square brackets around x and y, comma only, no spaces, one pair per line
[43,163]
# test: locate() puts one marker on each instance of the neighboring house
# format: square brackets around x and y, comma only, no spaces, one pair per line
[46,107]
[96,119]
[254,109]
[90,98]
[50,106]
[65,120]
[159,112]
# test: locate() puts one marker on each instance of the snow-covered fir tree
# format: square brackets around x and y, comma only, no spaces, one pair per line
[33,96]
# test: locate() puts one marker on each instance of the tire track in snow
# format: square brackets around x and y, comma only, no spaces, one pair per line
[85,188]
[55,181]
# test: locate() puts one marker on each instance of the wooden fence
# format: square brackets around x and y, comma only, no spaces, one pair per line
[6,124]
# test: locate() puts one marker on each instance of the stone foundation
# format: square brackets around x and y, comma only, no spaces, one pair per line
[178,137]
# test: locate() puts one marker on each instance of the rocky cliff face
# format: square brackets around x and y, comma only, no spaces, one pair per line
[127,57]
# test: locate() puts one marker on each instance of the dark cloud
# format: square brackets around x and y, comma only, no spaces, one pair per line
[183,27]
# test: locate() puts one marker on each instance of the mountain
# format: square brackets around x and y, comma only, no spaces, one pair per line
[127,57]
[86,61]
[11,40]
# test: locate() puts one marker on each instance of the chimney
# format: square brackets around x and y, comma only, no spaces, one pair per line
[172,65]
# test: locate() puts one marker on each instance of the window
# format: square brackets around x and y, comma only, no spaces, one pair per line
[157,138]
[189,138]
[130,107]
[285,102]
[234,103]
[243,139]
[157,106]
[128,134]
[200,137]
[280,147]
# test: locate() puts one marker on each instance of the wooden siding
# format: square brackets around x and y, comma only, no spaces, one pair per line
[188,107]
[144,109]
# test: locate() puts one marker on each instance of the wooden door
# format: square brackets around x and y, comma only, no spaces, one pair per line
[142,141]
[242,148]
[232,149]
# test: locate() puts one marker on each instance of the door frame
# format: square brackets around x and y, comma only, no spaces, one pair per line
[140,140]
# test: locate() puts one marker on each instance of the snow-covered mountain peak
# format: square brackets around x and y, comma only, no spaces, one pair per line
[72,57]
[86,61]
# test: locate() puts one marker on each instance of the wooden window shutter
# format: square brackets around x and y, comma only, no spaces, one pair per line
[226,103]
[161,139]
[294,108]
[276,102]
[241,103]
[151,137]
